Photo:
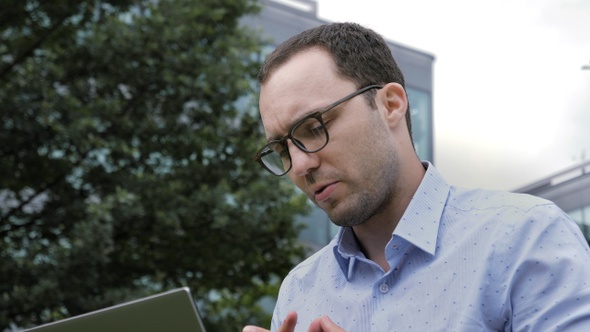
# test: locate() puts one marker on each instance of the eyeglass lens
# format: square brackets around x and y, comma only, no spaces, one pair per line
[309,135]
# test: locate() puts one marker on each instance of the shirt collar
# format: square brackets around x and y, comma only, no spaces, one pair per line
[418,225]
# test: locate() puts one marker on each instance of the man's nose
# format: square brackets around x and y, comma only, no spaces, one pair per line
[302,162]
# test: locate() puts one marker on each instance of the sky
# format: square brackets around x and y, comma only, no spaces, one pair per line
[511,101]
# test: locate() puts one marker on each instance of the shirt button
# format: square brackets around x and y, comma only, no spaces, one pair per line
[384,288]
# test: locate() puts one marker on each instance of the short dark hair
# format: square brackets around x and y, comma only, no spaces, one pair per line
[360,54]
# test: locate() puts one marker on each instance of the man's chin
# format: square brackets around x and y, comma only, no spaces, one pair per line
[342,216]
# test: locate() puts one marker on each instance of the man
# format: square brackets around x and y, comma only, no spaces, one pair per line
[413,252]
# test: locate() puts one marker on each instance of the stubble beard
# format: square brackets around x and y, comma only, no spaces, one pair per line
[367,203]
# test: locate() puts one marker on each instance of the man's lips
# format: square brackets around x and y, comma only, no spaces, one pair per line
[321,193]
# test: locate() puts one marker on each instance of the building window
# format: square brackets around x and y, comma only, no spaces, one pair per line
[421,112]
[582,217]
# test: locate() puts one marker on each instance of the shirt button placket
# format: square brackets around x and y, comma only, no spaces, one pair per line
[383,288]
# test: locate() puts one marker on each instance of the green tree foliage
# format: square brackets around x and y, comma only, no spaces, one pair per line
[126,143]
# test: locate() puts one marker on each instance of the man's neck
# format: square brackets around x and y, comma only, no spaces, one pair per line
[373,246]
[374,234]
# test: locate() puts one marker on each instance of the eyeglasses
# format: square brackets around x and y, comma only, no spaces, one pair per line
[308,134]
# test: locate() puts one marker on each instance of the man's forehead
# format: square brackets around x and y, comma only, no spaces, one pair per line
[307,65]
[305,83]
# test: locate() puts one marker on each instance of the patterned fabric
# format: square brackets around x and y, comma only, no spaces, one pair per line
[462,260]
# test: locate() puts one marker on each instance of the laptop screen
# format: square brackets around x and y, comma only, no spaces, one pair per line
[174,310]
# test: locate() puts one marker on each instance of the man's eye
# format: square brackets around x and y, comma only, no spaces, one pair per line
[316,130]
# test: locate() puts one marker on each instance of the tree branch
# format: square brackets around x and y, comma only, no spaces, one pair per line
[24,55]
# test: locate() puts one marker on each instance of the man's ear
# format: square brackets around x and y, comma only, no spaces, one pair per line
[393,97]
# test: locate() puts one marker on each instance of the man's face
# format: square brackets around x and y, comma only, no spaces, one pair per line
[354,176]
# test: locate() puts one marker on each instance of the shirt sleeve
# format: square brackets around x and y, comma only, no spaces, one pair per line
[279,311]
[547,273]
[275,323]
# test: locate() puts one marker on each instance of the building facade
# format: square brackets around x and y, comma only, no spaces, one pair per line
[570,190]
[281,19]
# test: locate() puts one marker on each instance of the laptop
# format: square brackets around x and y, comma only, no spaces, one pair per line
[173,310]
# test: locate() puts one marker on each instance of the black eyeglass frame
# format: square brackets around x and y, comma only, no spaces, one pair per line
[316,115]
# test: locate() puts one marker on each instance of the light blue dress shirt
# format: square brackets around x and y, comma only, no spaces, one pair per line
[461,260]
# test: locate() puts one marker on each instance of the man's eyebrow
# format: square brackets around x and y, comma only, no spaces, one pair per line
[308,113]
